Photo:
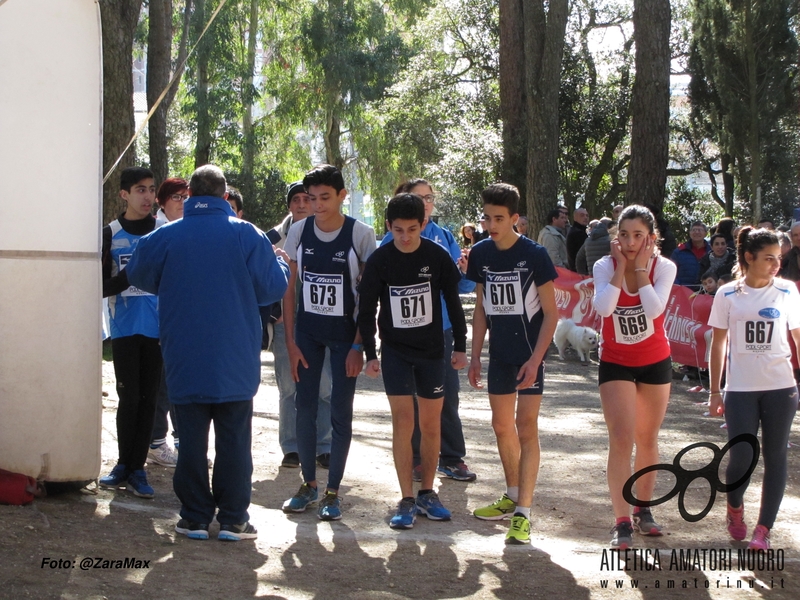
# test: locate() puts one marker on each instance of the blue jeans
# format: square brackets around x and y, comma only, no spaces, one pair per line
[307,401]
[453,448]
[287,413]
[233,464]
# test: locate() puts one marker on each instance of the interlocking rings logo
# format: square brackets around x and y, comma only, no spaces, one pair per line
[684,478]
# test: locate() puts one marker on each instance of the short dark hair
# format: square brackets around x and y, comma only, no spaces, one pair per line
[208,180]
[235,195]
[709,273]
[170,187]
[407,186]
[715,236]
[405,206]
[324,175]
[133,175]
[502,194]
[553,214]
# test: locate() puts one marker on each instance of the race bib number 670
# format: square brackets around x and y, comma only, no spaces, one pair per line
[503,295]
[323,294]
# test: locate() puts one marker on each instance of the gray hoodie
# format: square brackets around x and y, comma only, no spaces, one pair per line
[594,248]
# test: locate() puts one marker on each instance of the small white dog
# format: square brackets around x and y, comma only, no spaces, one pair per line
[583,339]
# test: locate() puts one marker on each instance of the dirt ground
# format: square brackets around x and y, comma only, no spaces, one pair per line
[359,557]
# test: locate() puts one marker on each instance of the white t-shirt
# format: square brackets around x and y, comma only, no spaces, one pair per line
[363,239]
[759,355]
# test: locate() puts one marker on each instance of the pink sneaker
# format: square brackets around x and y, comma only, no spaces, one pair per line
[760,539]
[736,525]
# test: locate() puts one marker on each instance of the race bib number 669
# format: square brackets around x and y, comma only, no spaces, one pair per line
[631,325]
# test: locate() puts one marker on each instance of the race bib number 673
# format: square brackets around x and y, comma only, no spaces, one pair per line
[323,294]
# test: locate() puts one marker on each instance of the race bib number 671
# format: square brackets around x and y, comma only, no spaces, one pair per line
[412,305]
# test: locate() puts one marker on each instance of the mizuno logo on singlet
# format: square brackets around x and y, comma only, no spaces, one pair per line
[322,279]
[309,251]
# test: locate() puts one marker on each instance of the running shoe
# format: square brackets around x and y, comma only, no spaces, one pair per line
[194,531]
[329,507]
[760,539]
[163,455]
[115,479]
[300,501]
[736,525]
[324,460]
[623,536]
[406,514]
[459,472]
[520,530]
[497,511]
[234,533]
[416,473]
[291,460]
[137,483]
[430,506]
[644,523]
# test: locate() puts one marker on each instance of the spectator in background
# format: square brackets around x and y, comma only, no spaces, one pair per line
[709,281]
[766,224]
[668,243]
[786,242]
[553,239]
[687,256]
[577,235]
[721,258]
[522,226]
[565,212]
[790,265]
[236,201]
[595,247]
[725,228]
[170,197]
[469,234]
[616,211]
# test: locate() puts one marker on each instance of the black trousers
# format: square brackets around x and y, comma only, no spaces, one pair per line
[137,365]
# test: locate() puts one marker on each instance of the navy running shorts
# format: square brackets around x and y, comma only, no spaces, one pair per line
[503,379]
[403,374]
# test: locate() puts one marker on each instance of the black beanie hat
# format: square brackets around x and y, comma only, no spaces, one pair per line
[292,189]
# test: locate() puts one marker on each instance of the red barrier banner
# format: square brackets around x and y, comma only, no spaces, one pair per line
[686,315]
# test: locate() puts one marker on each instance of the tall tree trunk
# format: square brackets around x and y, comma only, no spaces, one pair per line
[202,148]
[647,174]
[248,98]
[512,94]
[332,136]
[159,56]
[119,19]
[545,30]
[727,183]
[753,134]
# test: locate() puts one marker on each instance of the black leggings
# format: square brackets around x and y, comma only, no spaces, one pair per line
[774,409]
[137,365]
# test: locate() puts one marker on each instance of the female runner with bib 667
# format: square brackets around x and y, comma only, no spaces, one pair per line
[632,287]
[753,314]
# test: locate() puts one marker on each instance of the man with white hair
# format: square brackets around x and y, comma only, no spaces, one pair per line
[790,265]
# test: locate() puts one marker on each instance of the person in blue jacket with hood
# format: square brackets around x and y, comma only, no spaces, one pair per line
[211,271]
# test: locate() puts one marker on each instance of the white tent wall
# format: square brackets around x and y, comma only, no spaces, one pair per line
[50,219]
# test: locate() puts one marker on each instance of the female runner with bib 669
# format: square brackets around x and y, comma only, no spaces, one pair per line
[753,314]
[632,287]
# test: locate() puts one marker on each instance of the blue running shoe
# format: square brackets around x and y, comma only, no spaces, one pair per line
[406,514]
[430,506]
[301,500]
[137,483]
[115,479]
[329,509]
[234,533]
[194,531]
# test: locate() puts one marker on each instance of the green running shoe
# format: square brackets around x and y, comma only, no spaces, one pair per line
[520,530]
[499,510]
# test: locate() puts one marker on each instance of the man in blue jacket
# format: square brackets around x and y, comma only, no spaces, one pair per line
[687,256]
[211,271]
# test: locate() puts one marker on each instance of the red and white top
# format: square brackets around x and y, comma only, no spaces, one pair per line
[633,323]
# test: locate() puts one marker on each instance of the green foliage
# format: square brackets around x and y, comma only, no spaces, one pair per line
[685,205]
[268,206]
